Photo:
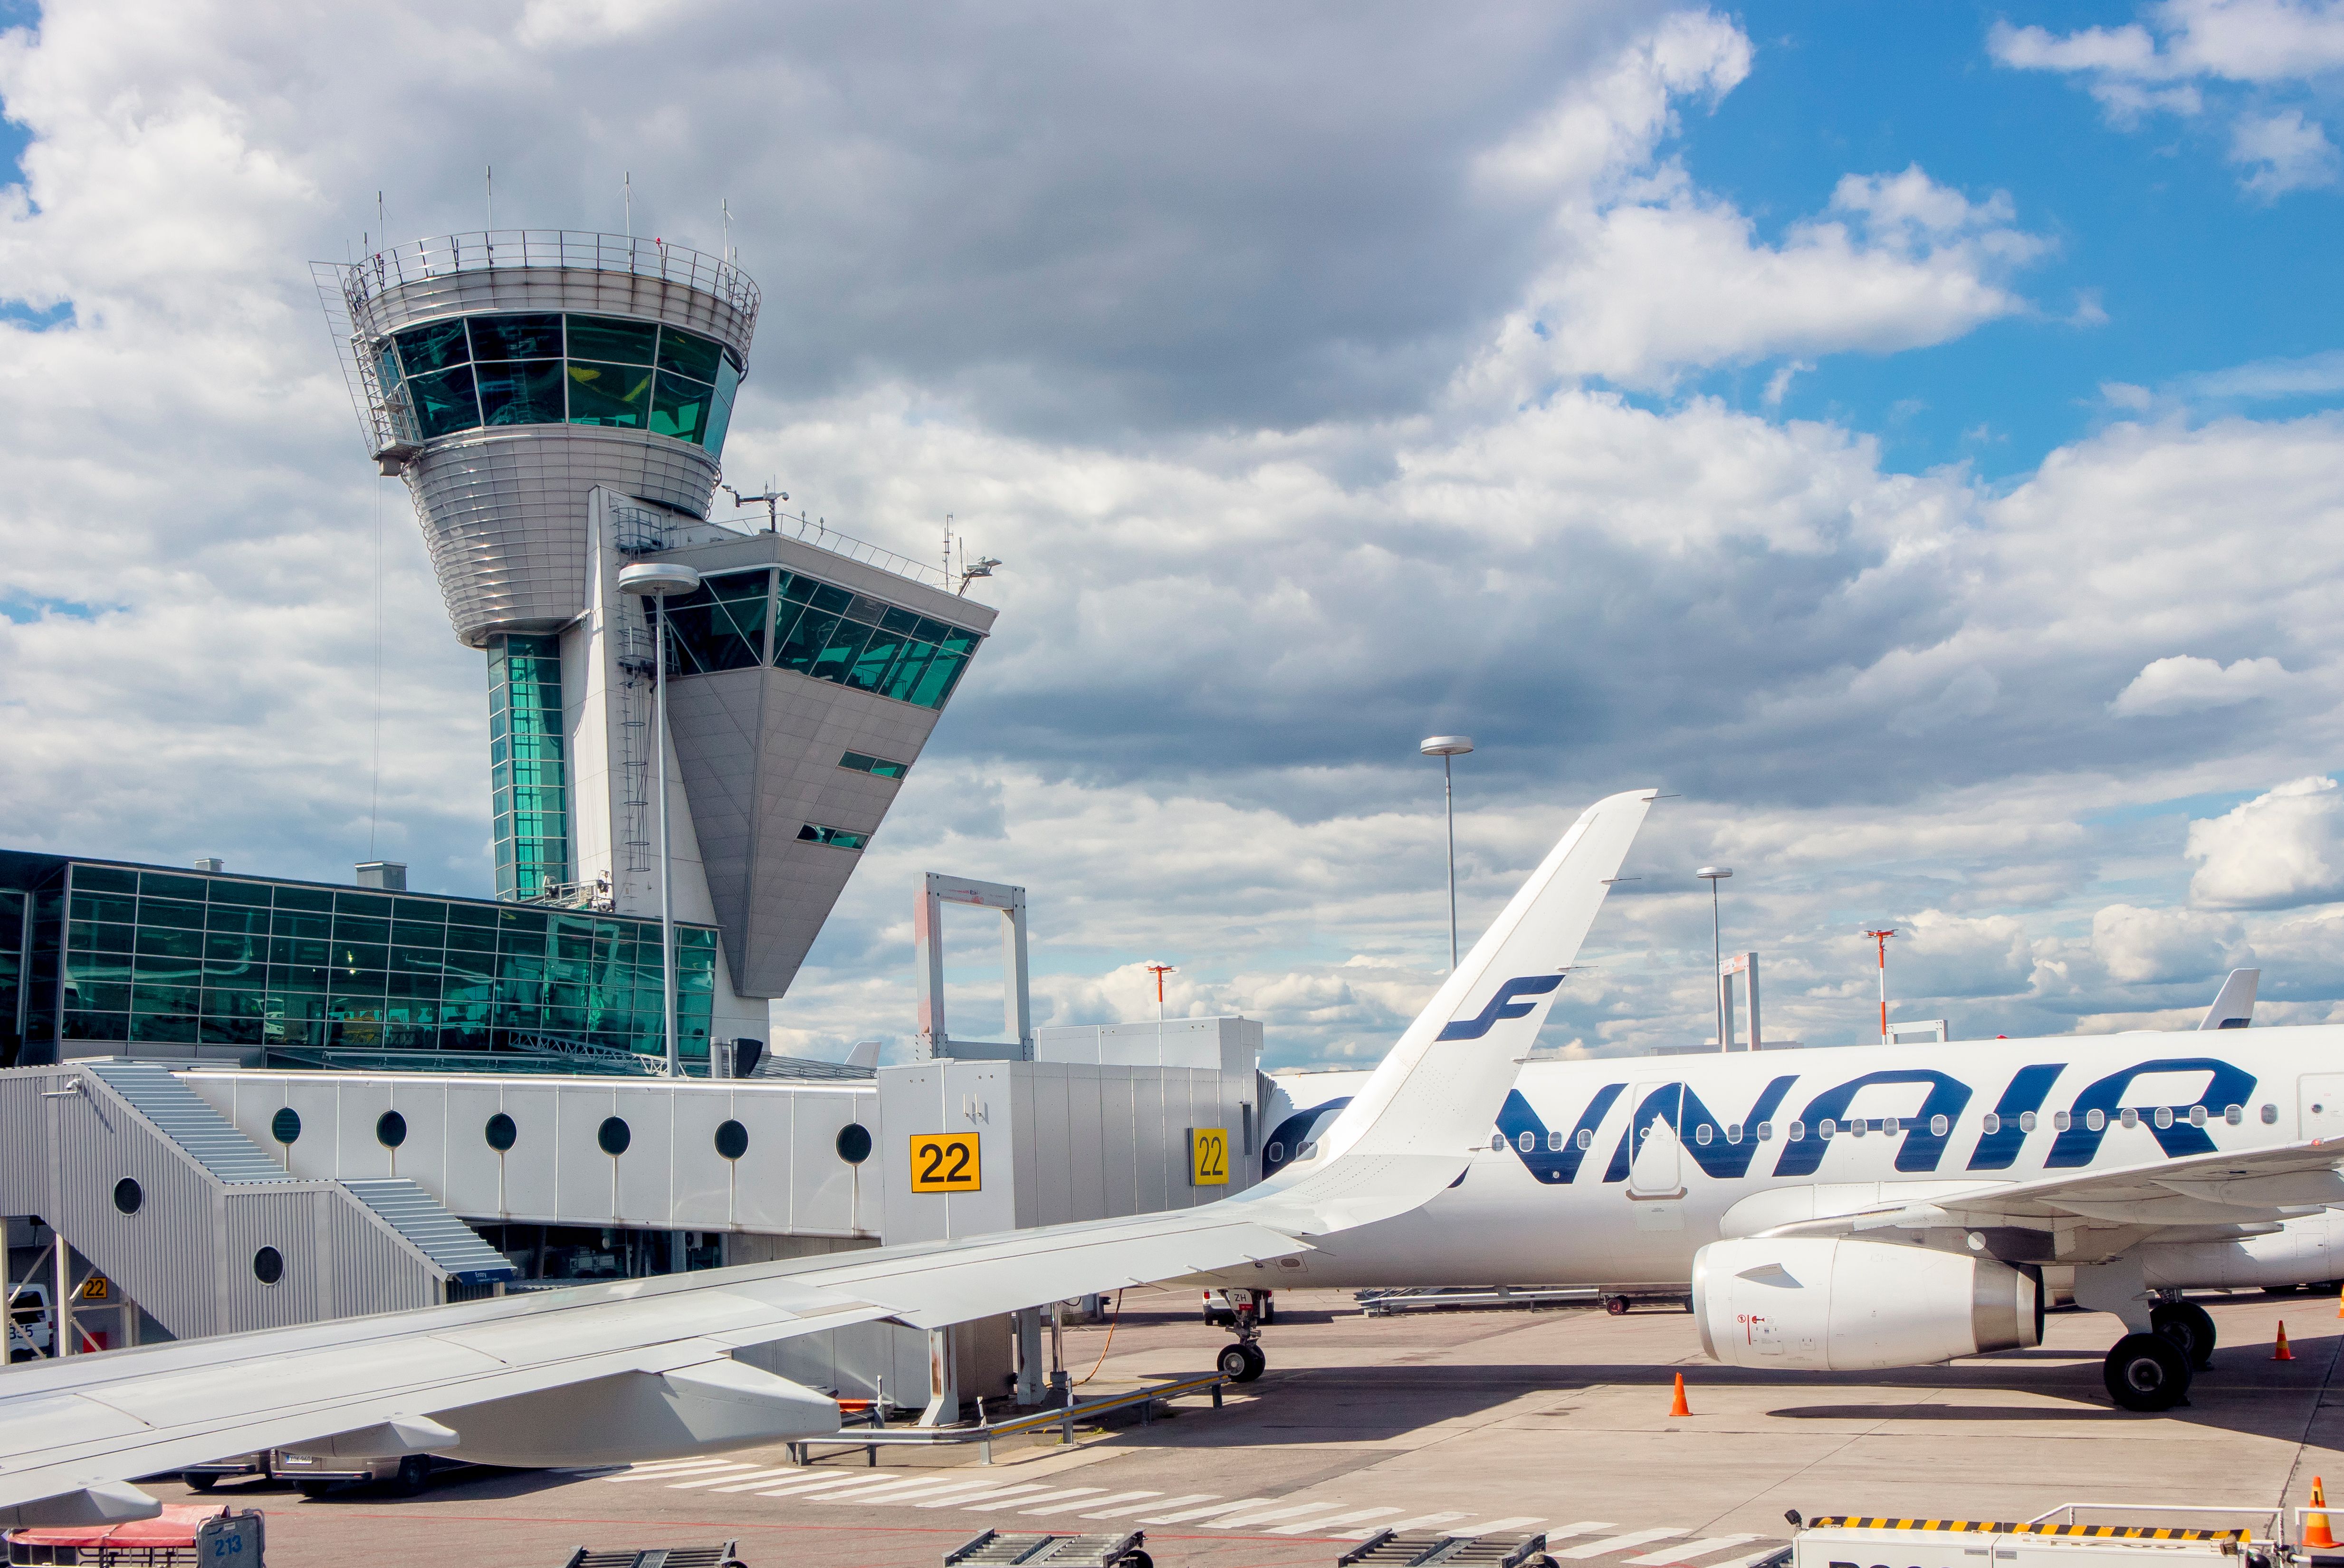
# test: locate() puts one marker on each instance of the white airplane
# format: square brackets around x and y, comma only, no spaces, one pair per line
[1885,1206]
[643,1369]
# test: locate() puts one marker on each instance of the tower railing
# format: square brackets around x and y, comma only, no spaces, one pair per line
[417,261]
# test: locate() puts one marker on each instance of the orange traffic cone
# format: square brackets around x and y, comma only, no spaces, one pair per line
[2339,1304]
[2282,1353]
[2315,1522]
[1678,1406]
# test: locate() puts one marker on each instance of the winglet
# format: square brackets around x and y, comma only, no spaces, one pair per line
[1439,1090]
[2234,1003]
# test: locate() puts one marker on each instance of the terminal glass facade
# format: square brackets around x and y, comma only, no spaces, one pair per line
[527,774]
[475,371]
[141,954]
[739,620]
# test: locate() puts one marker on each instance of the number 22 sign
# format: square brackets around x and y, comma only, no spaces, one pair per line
[945,1162]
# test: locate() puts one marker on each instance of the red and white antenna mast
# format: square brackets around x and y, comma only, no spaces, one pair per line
[1882,938]
[1159,971]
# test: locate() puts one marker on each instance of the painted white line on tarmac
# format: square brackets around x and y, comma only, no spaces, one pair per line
[1167,1502]
[1187,1514]
[1312,1526]
[1688,1551]
[1613,1546]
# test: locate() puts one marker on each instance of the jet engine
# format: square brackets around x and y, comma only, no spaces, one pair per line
[1809,1304]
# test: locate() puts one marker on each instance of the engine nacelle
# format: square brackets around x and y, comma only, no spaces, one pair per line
[1810,1304]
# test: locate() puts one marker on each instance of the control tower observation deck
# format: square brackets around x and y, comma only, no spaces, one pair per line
[557,403]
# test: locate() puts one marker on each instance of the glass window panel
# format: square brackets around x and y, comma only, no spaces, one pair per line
[444,402]
[959,640]
[866,610]
[86,908]
[720,411]
[252,922]
[254,895]
[304,898]
[904,680]
[405,929]
[806,641]
[422,910]
[838,837]
[838,655]
[386,365]
[360,928]
[528,392]
[432,348]
[869,672]
[616,396]
[176,1028]
[498,338]
[112,938]
[161,942]
[157,884]
[104,995]
[613,339]
[929,631]
[689,354]
[236,946]
[936,681]
[163,997]
[902,621]
[798,589]
[681,409]
[171,912]
[825,597]
[469,914]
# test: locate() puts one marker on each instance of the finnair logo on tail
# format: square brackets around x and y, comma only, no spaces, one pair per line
[1502,1006]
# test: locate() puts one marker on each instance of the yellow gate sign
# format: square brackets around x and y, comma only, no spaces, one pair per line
[94,1289]
[945,1162]
[1208,1157]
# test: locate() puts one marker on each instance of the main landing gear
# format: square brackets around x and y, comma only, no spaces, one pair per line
[2153,1371]
[1244,1312]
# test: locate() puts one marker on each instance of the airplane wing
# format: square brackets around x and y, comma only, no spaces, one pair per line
[644,1367]
[2107,1211]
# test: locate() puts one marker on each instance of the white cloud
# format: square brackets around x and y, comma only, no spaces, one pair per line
[2137,945]
[2282,152]
[2185,683]
[2278,851]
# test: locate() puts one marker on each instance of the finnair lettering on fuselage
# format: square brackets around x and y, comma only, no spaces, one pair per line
[1725,1149]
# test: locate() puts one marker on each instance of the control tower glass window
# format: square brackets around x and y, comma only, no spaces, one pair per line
[528,776]
[446,377]
[816,629]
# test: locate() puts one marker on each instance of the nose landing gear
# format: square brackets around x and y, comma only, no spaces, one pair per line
[1244,1312]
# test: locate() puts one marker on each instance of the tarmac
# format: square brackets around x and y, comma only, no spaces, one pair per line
[1497,1422]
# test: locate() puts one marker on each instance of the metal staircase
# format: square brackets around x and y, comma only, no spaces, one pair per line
[198,1225]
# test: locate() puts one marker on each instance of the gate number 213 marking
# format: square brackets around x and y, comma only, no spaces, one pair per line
[945,1162]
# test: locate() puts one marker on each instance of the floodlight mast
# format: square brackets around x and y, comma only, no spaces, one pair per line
[1714,874]
[1446,747]
[1882,938]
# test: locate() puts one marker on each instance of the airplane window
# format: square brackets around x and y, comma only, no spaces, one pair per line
[1701,1134]
[1797,1131]
[2234,1114]
[2164,1117]
[1825,1127]
[1856,1128]
[1554,1141]
[2271,1116]
[1526,1142]
[2096,1118]
[1733,1132]
[1766,1133]
[1991,1122]
[2061,1121]
[1891,1126]
[1496,1142]
[2026,1121]
[2197,1116]
[1939,1127]
[2129,1117]
[1586,1137]
[1275,1153]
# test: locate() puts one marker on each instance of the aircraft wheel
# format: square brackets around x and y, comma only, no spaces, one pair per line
[2146,1372]
[1138,1560]
[413,1471]
[1241,1363]
[199,1480]
[1616,1305]
[2189,1325]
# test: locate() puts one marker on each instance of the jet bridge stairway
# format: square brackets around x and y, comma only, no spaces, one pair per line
[198,1225]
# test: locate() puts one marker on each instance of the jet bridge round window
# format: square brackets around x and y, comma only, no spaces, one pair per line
[390,1130]
[855,1143]
[731,1140]
[500,1132]
[128,1195]
[284,1127]
[613,1135]
[269,1265]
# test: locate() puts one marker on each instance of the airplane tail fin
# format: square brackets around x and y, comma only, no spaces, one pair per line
[1436,1095]
[2234,1003]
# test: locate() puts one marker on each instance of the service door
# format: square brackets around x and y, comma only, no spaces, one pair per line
[1656,1166]
[2320,1099]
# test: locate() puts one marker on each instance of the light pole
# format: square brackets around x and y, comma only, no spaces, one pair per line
[1159,971]
[655,580]
[1445,747]
[1714,874]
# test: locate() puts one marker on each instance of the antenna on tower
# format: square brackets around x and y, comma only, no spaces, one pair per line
[771,498]
[488,181]
[727,205]
[627,185]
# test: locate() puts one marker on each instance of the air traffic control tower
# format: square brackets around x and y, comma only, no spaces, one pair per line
[557,403]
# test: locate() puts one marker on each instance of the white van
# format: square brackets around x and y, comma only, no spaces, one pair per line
[31,1331]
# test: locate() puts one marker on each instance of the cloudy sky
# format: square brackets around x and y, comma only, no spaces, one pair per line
[1912,437]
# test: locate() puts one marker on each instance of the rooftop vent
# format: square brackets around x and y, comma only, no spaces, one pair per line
[390,875]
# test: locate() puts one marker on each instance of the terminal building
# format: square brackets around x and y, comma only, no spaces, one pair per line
[231,1102]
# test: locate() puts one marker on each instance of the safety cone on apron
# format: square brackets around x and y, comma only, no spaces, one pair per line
[2281,1353]
[2315,1522]
[1678,1406]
